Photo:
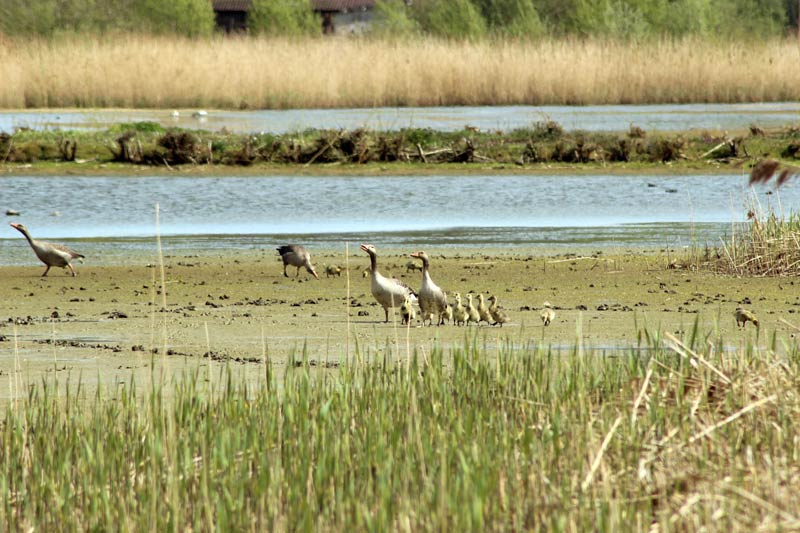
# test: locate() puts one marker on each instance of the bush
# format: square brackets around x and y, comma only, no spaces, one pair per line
[286,17]
[452,19]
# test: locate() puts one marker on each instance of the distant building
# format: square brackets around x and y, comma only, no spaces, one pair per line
[231,15]
[344,16]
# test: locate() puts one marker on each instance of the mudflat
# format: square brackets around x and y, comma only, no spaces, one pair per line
[113,323]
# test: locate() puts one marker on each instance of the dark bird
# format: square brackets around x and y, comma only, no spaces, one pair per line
[296,256]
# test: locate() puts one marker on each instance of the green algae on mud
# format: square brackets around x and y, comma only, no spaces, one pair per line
[239,309]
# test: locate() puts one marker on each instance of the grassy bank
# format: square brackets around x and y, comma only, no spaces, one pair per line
[466,438]
[261,73]
[543,145]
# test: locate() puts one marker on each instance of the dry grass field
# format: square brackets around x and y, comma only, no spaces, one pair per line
[260,73]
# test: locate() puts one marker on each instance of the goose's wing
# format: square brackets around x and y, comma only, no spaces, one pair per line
[411,291]
[65,249]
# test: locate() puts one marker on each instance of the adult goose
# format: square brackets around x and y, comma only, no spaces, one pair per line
[52,255]
[388,292]
[432,299]
[296,256]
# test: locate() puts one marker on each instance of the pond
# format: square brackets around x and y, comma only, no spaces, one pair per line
[114,217]
[589,118]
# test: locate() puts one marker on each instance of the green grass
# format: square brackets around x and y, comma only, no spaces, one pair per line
[471,437]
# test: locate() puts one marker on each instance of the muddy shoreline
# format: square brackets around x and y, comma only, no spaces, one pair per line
[104,325]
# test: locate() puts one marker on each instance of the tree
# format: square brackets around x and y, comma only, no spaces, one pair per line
[192,18]
[392,19]
[511,18]
[283,17]
[452,19]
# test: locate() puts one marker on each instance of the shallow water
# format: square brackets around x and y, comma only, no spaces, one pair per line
[112,216]
[589,118]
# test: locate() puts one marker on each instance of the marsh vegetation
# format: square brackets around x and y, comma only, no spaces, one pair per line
[279,73]
[669,433]
[542,144]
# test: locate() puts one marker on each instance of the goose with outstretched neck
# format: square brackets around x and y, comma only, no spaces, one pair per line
[52,255]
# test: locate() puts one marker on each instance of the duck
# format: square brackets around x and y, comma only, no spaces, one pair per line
[743,316]
[483,311]
[52,255]
[472,313]
[547,314]
[407,312]
[498,315]
[432,299]
[296,256]
[460,315]
[388,292]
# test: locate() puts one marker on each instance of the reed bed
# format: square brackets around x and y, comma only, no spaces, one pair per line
[768,244]
[263,73]
[670,434]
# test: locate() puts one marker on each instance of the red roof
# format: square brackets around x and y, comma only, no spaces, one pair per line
[231,5]
[341,5]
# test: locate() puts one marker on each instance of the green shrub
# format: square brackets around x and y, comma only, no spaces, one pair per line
[286,17]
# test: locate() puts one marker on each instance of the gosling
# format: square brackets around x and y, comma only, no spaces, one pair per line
[407,312]
[743,316]
[548,314]
[411,266]
[447,315]
[498,315]
[474,316]
[483,311]
[460,315]
[333,270]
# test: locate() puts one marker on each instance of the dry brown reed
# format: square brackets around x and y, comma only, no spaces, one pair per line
[767,169]
[159,72]
[769,245]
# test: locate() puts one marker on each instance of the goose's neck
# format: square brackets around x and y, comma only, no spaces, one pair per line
[27,235]
[373,261]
